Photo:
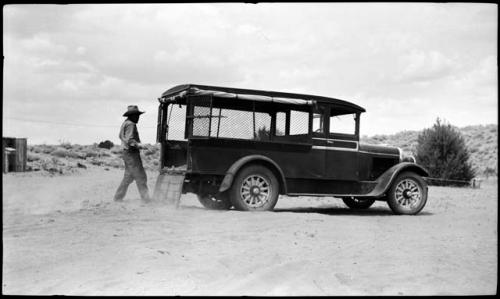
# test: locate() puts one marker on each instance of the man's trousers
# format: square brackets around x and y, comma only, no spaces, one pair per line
[133,171]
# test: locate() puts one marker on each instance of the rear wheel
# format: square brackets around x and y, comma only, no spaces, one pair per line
[358,203]
[408,194]
[220,201]
[255,188]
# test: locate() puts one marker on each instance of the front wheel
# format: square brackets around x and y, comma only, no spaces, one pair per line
[255,188]
[358,203]
[215,202]
[408,194]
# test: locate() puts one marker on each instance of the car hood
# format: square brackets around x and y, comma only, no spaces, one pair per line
[379,149]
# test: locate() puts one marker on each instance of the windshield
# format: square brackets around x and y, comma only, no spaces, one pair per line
[343,124]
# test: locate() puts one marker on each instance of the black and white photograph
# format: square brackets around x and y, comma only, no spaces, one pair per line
[250,149]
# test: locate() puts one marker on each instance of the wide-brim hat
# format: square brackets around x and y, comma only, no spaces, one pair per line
[132,109]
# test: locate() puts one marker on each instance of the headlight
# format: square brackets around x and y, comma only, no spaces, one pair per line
[410,158]
[406,157]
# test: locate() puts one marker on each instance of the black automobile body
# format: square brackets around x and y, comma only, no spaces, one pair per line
[243,148]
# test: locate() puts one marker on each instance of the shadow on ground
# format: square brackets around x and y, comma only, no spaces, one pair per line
[334,211]
[344,211]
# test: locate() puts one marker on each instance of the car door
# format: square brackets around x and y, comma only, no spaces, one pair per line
[342,146]
[297,155]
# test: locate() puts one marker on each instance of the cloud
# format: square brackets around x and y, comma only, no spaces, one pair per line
[403,62]
[25,21]
[425,66]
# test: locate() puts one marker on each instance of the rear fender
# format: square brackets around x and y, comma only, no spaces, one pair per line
[233,170]
[385,180]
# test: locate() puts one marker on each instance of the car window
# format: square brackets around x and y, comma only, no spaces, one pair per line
[280,123]
[230,123]
[299,122]
[233,124]
[318,121]
[176,120]
[343,124]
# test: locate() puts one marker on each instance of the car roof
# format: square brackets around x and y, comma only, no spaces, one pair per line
[253,94]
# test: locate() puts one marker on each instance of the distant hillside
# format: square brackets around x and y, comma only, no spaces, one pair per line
[481,140]
[66,157]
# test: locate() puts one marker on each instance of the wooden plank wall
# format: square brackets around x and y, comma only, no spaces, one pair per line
[5,162]
[21,154]
[15,161]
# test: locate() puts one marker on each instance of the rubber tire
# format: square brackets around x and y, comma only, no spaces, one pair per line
[234,191]
[219,202]
[391,195]
[356,205]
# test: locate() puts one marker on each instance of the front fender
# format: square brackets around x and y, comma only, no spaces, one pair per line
[231,172]
[384,181]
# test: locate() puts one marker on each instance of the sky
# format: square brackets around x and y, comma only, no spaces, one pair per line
[70,71]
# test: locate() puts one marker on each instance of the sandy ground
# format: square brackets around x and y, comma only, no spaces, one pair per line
[63,235]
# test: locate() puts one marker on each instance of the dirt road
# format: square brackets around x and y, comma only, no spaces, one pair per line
[63,235]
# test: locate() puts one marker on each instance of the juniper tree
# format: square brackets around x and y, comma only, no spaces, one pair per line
[442,150]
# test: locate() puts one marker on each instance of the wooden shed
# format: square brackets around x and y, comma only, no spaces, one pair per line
[14,151]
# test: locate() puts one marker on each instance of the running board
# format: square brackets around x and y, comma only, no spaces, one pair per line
[371,195]
[375,192]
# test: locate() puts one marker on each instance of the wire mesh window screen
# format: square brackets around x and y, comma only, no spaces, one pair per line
[299,122]
[216,124]
[176,121]
[236,124]
[201,121]
[230,123]
[208,121]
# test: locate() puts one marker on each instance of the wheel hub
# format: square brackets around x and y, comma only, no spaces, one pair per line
[407,194]
[255,191]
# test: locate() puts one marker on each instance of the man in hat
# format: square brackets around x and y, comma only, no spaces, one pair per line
[131,156]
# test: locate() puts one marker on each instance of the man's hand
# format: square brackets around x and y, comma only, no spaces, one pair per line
[140,146]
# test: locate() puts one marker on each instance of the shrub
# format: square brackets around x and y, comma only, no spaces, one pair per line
[441,149]
[116,163]
[65,144]
[77,147]
[47,149]
[36,149]
[90,153]
[490,171]
[64,153]
[116,149]
[105,144]
[104,154]
[97,162]
[59,152]
[33,157]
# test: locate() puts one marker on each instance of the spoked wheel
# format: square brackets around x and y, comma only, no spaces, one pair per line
[255,188]
[408,194]
[358,203]
[220,201]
